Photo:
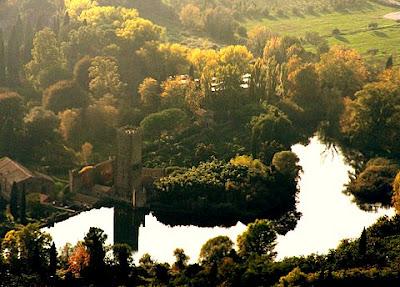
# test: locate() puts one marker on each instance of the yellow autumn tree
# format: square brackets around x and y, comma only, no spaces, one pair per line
[343,70]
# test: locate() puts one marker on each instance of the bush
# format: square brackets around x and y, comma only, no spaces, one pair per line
[296,11]
[169,120]
[280,13]
[336,32]
[64,95]
[266,12]
[374,184]
[242,31]
[372,25]
[310,9]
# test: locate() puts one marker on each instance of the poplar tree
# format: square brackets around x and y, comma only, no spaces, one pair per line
[22,206]
[13,54]
[389,62]
[14,201]
[2,60]
[53,260]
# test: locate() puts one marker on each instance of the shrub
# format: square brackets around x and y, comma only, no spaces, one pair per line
[372,25]
[242,31]
[280,13]
[336,32]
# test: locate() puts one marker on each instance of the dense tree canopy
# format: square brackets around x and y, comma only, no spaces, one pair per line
[373,185]
[244,188]
[370,121]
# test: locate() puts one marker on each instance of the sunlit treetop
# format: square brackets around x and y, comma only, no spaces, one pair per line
[139,29]
[107,15]
[75,7]
[200,58]
[248,161]
[236,55]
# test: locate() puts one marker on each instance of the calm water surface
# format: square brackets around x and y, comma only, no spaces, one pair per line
[328,216]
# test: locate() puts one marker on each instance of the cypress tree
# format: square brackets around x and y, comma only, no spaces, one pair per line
[191,72]
[13,54]
[14,201]
[22,206]
[2,60]
[66,20]
[389,62]
[28,42]
[53,260]
[64,28]
[362,244]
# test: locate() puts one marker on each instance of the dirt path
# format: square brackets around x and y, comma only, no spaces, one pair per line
[393,16]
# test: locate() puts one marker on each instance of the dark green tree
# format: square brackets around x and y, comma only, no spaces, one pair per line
[258,239]
[13,54]
[11,114]
[362,244]
[53,261]
[81,72]
[14,201]
[215,250]
[27,42]
[2,60]
[22,205]
[273,125]
[122,259]
[181,260]
[94,242]
[389,62]
[64,95]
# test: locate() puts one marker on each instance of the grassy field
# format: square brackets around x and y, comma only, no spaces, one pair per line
[353,25]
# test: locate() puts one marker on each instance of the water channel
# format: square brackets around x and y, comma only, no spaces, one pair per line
[328,217]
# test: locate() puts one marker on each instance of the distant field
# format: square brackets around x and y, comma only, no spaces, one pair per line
[353,25]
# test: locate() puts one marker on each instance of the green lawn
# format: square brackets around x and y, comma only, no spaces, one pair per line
[353,25]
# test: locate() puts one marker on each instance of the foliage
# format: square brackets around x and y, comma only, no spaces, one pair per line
[396,193]
[94,242]
[81,72]
[215,250]
[373,185]
[191,17]
[170,120]
[64,95]
[11,115]
[258,239]
[374,107]
[104,78]
[342,69]
[47,61]
[149,91]
[245,188]
[273,125]
[26,250]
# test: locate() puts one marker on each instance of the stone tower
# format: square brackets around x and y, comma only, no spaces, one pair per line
[128,169]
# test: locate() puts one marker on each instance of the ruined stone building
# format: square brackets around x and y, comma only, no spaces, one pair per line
[13,172]
[121,177]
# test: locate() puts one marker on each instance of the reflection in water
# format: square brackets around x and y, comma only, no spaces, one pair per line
[126,226]
[328,217]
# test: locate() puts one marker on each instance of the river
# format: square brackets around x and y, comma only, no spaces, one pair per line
[328,217]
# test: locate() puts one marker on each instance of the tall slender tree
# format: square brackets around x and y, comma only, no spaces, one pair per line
[389,62]
[14,201]
[27,42]
[13,54]
[362,244]
[22,205]
[53,260]
[2,60]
